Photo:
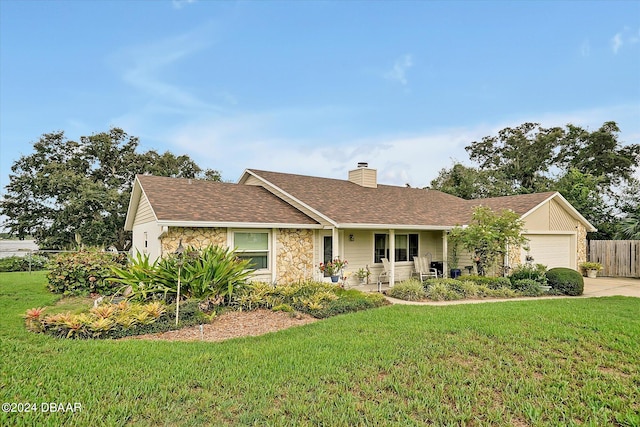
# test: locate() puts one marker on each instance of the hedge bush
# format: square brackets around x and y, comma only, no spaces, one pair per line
[82,273]
[23,263]
[566,281]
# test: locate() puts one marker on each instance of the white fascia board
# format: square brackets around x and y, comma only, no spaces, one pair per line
[567,205]
[136,195]
[275,187]
[393,226]
[218,224]
[134,202]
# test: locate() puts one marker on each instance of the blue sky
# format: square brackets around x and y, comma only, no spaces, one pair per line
[314,87]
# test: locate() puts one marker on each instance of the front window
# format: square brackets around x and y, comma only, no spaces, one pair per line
[406,247]
[253,246]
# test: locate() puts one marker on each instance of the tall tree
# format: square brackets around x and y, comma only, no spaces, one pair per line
[588,167]
[471,183]
[522,155]
[77,192]
[599,153]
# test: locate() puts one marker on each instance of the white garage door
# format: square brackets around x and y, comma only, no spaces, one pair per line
[552,250]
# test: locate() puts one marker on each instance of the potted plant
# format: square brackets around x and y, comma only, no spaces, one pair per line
[334,268]
[591,268]
[363,275]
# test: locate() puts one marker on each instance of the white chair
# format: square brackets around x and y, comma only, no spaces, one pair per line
[422,268]
[385,272]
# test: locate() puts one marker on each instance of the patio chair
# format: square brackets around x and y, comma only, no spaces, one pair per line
[385,272]
[422,267]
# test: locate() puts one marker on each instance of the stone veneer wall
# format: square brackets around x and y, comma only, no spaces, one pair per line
[196,237]
[582,245]
[515,256]
[294,255]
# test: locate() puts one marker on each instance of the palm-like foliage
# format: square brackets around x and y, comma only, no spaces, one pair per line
[209,272]
[629,228]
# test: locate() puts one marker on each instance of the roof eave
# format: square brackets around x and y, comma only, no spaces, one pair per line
[394,226]
[319,214]
[230,224]
[134,201]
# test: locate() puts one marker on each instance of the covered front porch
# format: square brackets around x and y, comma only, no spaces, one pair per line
[364,249]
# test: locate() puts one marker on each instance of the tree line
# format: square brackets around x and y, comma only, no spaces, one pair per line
[68,193]
[593,170]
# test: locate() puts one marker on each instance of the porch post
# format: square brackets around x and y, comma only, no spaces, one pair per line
[392,258]
[445,254]
[335,243]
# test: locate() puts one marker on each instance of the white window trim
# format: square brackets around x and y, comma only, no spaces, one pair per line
[270,245]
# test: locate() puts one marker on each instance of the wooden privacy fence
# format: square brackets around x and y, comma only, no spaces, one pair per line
[619,258]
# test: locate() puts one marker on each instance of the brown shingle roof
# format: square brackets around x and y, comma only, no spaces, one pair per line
[520,204]
[177,199]
[346,202]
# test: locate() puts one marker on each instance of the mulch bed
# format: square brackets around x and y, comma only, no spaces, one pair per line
[234,324]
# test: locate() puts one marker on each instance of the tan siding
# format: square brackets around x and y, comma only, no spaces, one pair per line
[364,177]
[252,180]
[559,219]
[539,219]
[144,213]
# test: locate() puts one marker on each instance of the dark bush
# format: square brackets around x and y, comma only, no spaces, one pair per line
[566,281]
[28,262]
[81,273]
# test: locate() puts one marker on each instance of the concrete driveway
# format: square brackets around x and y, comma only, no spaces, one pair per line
[598,287]
[608,286]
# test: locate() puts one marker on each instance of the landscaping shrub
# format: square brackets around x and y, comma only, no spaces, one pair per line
[28,262]
[81,273]
[115,320]
[348,301]
[213,271]
[566,281]
[318,299]
[533,272]
[409,290]
[455,289]
[441,291]
[490,282]
[527,287]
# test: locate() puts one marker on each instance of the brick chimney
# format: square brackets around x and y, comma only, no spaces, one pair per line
[363,176]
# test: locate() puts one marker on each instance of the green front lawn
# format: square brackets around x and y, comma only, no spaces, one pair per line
[551,362]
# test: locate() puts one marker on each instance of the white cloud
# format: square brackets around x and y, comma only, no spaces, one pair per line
[399,71]
[626,36]
[179,4]
[616,42]
[232,144]
[143,68]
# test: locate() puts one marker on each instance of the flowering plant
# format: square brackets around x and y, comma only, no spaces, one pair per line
[332,268]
